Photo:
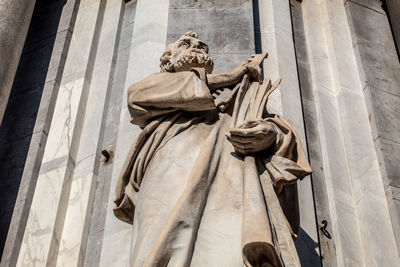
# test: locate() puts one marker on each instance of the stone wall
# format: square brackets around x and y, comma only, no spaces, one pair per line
[19,120]
[337,43]
[393,10]
[337,71]
[379,68]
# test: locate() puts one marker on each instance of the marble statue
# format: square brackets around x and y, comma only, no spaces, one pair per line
[204,183]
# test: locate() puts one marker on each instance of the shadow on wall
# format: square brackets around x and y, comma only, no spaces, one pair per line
[20,116]
[307,249]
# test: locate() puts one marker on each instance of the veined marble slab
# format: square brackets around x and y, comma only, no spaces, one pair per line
[47,213]
[146,48]
[360,216]
[81,197]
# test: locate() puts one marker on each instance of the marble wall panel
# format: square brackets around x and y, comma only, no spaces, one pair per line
[355,189]
[379,70]
[74,233]
[391,158]
[386,111]
[371,25]
[81,197]
[368,188]
[207,4]
[46,13]
[318,177]
[108,139]
[344,219]
[328,124]
[38,232]
[392,8]
[148,42]
[63,132]
[375,5]
[231,39]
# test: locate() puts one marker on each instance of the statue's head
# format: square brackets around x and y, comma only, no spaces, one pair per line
[186,53]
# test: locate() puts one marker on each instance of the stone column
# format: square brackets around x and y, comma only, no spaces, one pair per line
[147,44]
[379,68]
[277,39]
[62,154]
[15,17]
[361,227]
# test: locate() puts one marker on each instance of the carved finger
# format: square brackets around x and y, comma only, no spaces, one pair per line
[250,134]
[239,132]
[243,152]
[238,144]
[245,148]
[248,124]
[240,139]
[240,151]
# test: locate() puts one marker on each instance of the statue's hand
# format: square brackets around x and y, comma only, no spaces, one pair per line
[254,136]
[254,71]
[250,68]
[223,97]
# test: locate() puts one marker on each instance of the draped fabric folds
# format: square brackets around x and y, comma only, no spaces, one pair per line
[181,185]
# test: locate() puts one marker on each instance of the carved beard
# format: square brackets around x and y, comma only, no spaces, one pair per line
[194,60]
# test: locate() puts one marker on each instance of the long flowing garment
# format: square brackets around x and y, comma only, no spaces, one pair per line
[182,185]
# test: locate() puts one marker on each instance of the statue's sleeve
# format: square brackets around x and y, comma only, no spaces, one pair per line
[163,93]
[287,164]
[289,161]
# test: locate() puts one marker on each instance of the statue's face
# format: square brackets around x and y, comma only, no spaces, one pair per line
[187,53]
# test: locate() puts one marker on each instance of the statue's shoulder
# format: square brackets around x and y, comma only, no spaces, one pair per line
[151,79]
[159,76]
[161,79]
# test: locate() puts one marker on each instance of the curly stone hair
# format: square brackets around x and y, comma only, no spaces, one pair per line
[165,59]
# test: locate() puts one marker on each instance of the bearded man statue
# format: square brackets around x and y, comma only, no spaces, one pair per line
[183,185]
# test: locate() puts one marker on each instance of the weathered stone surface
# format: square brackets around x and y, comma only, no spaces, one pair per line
[81,196]
[393,9]
[350,164]
[386,112]
[15,17]
[207,4]
[61,142]
[391,158]
[18,123]
[108,141]
[380,68]
[375,5]
[365,23]
[380,73]
[226,44]
[147,43]
[224,61]
[315,153]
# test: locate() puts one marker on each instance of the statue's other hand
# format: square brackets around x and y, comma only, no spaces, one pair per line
[254,71]
[254,136]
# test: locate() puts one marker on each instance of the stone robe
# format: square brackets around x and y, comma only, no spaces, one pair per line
[182,183]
